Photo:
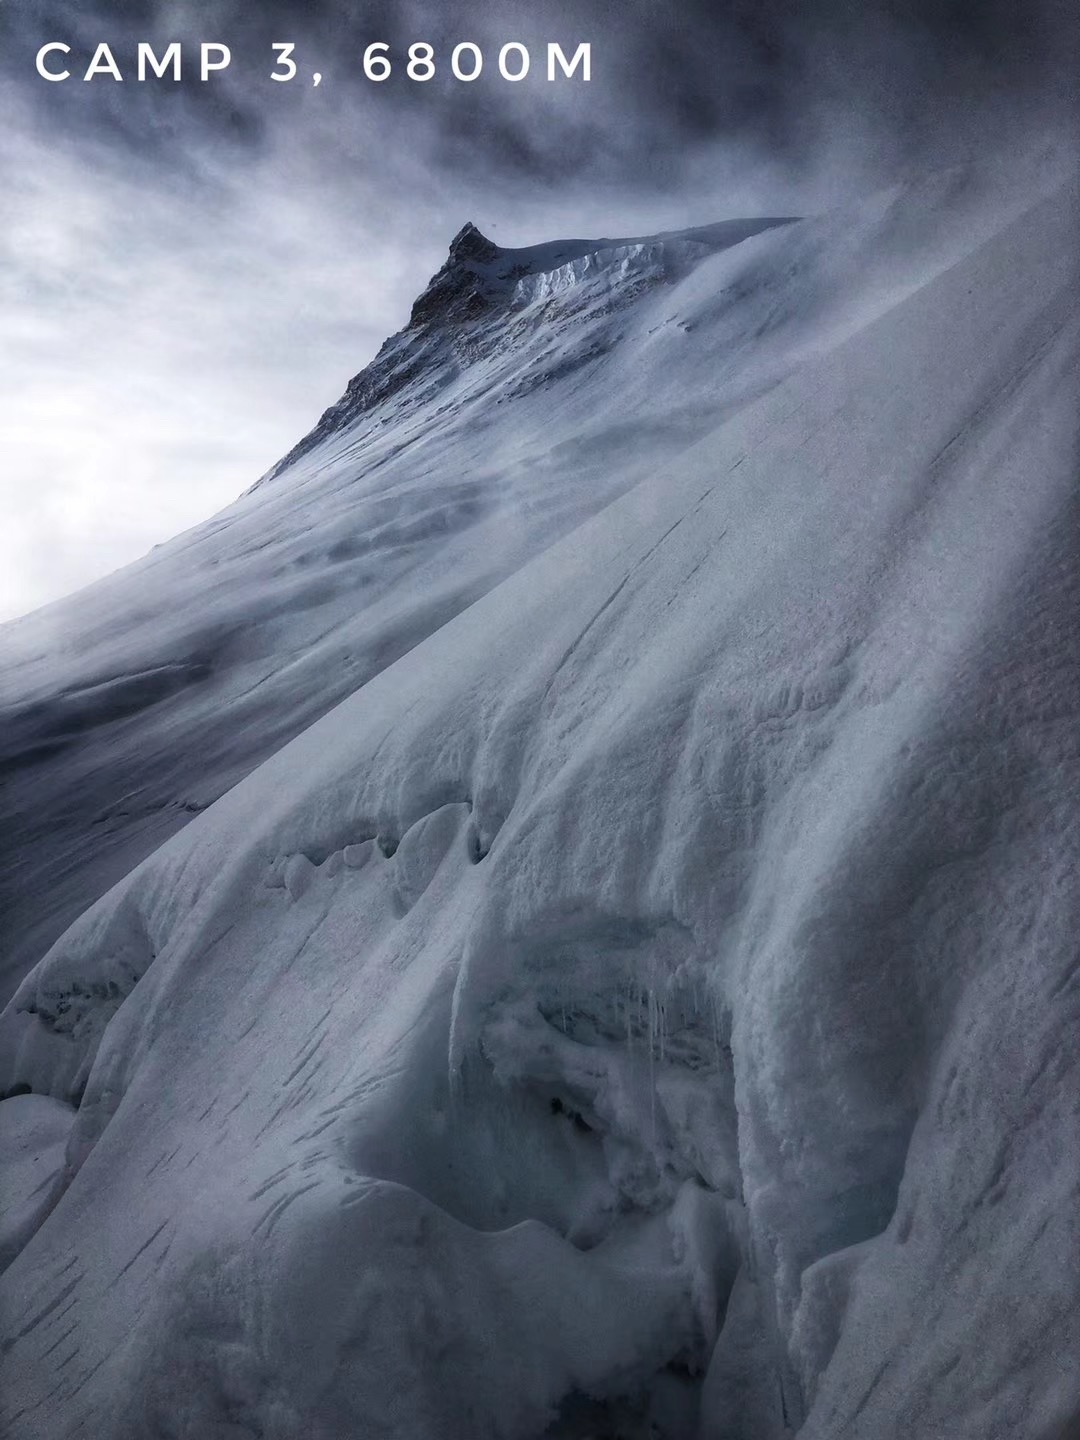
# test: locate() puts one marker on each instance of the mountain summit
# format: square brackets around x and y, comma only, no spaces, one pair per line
[464,313]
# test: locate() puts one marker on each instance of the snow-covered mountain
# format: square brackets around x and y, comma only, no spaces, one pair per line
[617,971]
[131,707]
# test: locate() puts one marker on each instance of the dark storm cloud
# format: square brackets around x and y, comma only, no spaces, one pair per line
[669,78]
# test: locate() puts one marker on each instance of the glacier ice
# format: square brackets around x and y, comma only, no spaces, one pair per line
[637,994]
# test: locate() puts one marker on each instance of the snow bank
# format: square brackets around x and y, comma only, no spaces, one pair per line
[649,1005]
[33,1136]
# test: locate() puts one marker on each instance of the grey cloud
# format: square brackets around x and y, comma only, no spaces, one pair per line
[668,78]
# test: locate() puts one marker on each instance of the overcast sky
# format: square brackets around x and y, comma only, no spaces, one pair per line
[190,274]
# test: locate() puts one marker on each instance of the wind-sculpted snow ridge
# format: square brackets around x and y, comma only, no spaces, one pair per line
[649,1007]
[462,315]
[467,448]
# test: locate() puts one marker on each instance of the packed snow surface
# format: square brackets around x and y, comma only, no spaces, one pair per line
[647,1003]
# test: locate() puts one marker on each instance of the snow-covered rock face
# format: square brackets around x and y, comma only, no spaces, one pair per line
[649,1006]
[471,311]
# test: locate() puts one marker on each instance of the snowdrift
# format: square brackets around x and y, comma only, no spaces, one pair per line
[647,1003]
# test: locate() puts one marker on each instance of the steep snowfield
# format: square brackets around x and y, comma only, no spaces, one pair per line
[529,389]
[650,1005]
[132,706]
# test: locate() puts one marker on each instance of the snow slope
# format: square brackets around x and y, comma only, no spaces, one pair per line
[649,1005]
[527,391]
[132,706]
